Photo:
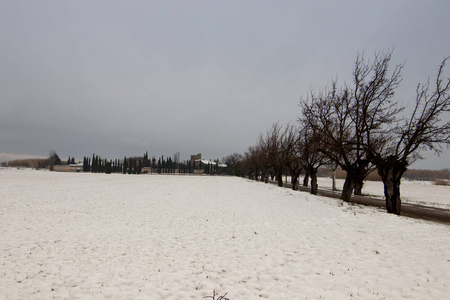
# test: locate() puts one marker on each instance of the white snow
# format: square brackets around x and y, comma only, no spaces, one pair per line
[98,236]
[416,192]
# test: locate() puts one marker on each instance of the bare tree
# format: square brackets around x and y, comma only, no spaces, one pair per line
[277,144]
[340,116]
[329,114]
[294,150]
[311,156]
[395,146]
[294,164]
[373,103]
[233,162]
[254,163]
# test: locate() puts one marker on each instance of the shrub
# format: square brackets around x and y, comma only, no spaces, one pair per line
[35,163]
[442,182]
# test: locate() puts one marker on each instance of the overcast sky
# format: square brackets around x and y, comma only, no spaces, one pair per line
[124,77]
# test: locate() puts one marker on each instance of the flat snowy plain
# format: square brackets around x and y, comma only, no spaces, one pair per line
[98,236]
[415,192]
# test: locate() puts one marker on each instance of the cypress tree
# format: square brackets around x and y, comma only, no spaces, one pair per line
[169,165]
[98,164]
[130,166]
[93,163]
[108,167]
[139,168]
[124,165]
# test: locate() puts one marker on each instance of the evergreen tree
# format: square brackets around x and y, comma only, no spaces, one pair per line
[139,168]
[125,165]
[130,166]
[108,168]
[87,165]
[169,165]
[98,164]
[53,159]
[93,166]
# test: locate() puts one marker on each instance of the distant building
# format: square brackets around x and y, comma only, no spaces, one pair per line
[194,159]
[201,166]
[68,168]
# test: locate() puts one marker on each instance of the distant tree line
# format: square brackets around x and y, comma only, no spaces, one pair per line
[143,164]
[358,128]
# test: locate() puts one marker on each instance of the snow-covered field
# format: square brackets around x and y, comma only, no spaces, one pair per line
[98,236]
[415,192]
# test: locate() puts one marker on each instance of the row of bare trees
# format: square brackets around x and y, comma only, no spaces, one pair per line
[357,127]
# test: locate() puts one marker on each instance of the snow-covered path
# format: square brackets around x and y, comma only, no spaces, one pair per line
[98,236]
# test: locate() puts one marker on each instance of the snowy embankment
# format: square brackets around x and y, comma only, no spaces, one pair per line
[97,236]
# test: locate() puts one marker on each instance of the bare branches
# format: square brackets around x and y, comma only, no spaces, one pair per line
[425,128]
[278,144]
[357,127]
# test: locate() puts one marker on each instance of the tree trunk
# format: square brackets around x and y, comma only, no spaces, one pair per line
[294,181]
[358,187]
[392,196]
[391,173]
[280,179]
[348,188]
[263,176]
[314,185]
[294,171]
[354,180]
[306,179]
[333,179]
